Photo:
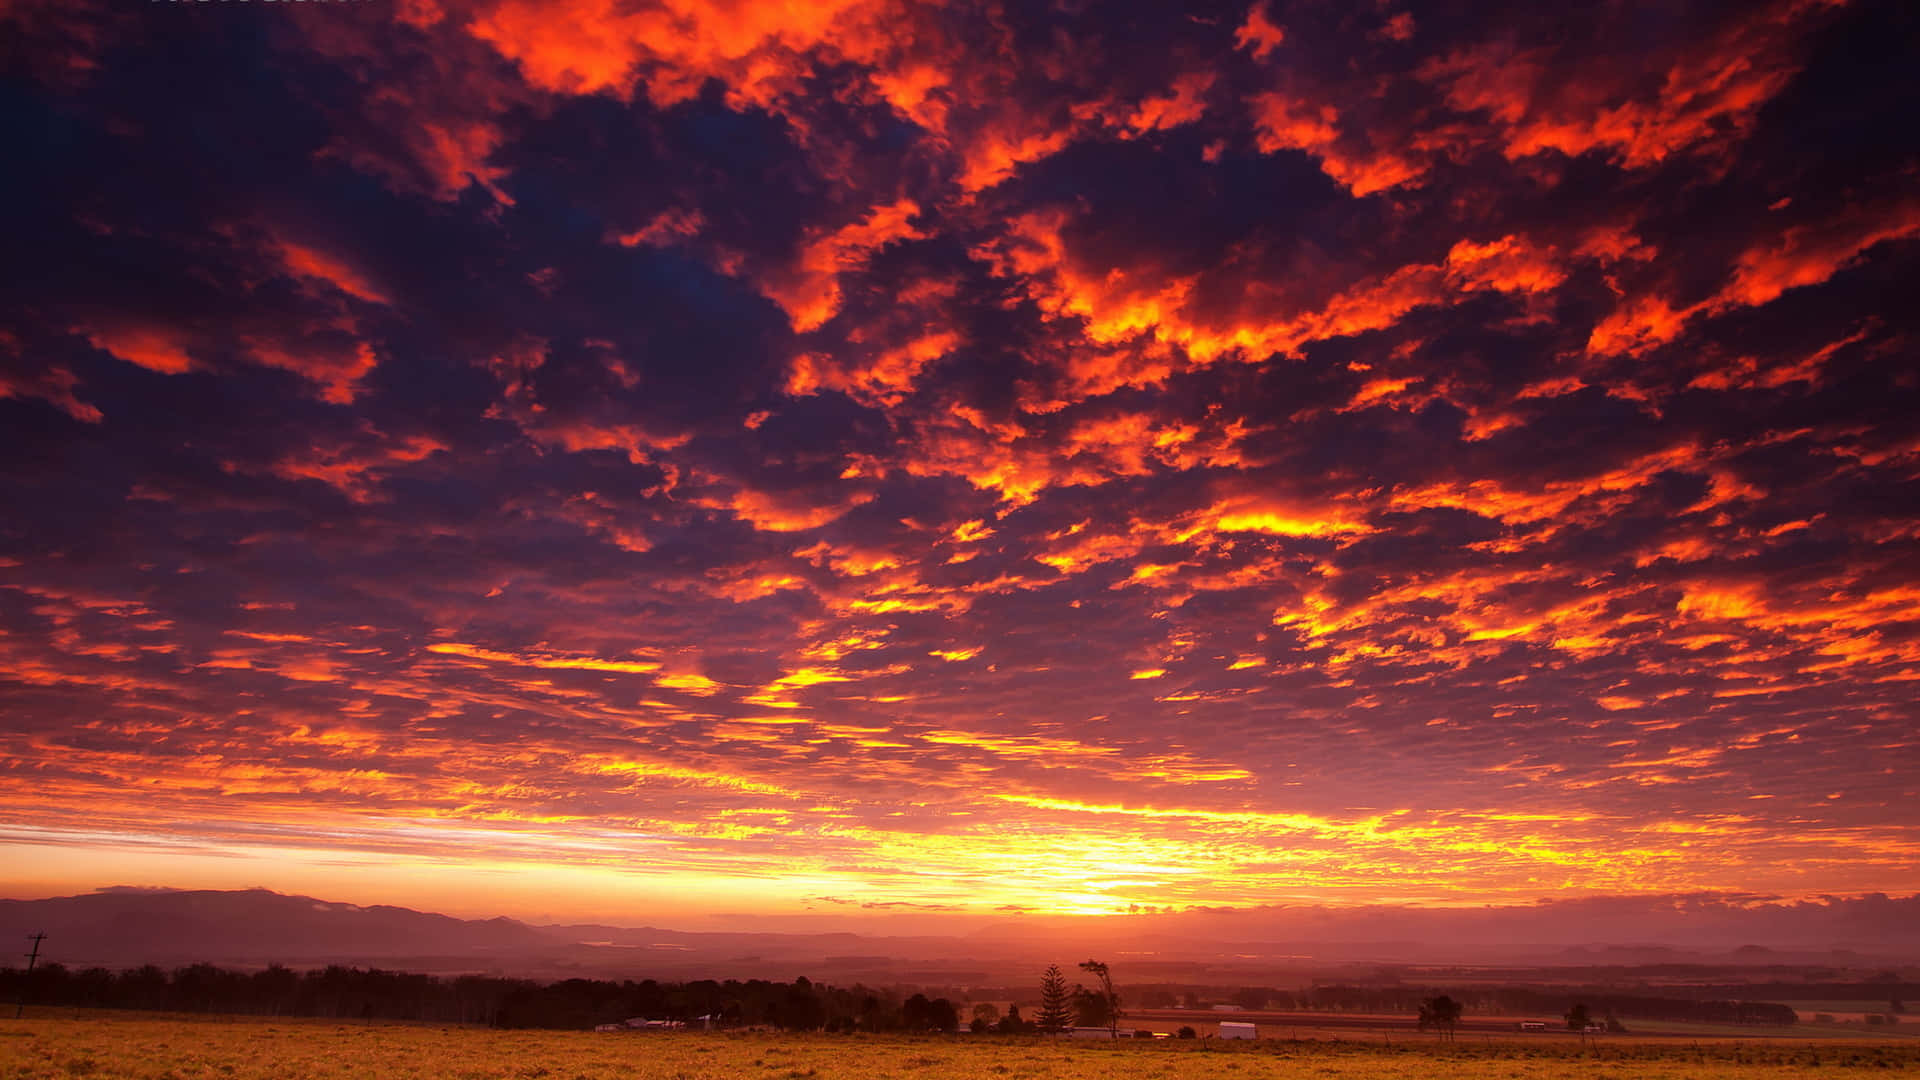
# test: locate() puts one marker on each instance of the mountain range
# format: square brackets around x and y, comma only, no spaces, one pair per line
[123,927]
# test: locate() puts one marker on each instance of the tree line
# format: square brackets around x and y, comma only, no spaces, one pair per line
[1525,1001]
[345,992]
[356,993]
[370,993]
[1501,1001]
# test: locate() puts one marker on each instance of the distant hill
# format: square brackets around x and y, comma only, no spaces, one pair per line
[121,927]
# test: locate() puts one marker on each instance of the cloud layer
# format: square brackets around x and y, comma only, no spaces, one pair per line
[989,457]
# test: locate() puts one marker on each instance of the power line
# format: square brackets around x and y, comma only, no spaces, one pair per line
[25,984]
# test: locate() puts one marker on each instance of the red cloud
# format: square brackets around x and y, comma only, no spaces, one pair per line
[155,348]
[315,265]
[54,385]
[334,367]
[1640,112]
[1258,33]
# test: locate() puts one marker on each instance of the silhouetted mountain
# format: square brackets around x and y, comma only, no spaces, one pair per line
[126,927]
[120,927]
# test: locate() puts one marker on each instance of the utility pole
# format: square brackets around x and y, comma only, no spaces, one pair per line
[32,957]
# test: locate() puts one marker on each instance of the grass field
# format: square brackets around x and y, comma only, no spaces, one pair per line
[123,1046]
[1856,1013]
[1805,1030]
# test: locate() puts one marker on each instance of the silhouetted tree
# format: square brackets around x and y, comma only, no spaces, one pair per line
[1109,998]
[1089,1008]
[1053,1016]
[1251,997]
[1440,1013]
[275,988]
[802,1009]
[94,987]
[1578,1018]
[920,1014]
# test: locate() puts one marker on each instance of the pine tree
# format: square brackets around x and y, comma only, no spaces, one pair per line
[1054,1014]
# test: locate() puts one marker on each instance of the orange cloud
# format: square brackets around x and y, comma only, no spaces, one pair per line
[1120,304]
[884,380]
[640,444]
[774,512]
[1288,123]
[810,290]
[1803,256]
[1637,326]
[577,663]
[1811,255]
[1182,104]
[600,46]
[1276,517]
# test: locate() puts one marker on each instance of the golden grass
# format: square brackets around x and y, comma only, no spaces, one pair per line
[126,1046]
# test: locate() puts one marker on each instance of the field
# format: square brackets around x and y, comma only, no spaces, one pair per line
[124,1046]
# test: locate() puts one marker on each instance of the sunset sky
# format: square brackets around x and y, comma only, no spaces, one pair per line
[649,459]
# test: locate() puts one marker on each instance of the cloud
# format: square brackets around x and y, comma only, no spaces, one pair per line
[153,348]
[1695,97]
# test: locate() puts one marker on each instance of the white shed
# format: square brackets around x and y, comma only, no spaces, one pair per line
[1237,1029]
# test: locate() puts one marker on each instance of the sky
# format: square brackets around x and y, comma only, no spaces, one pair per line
[645,460]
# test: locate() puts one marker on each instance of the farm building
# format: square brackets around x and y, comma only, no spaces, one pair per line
[1237,1029]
